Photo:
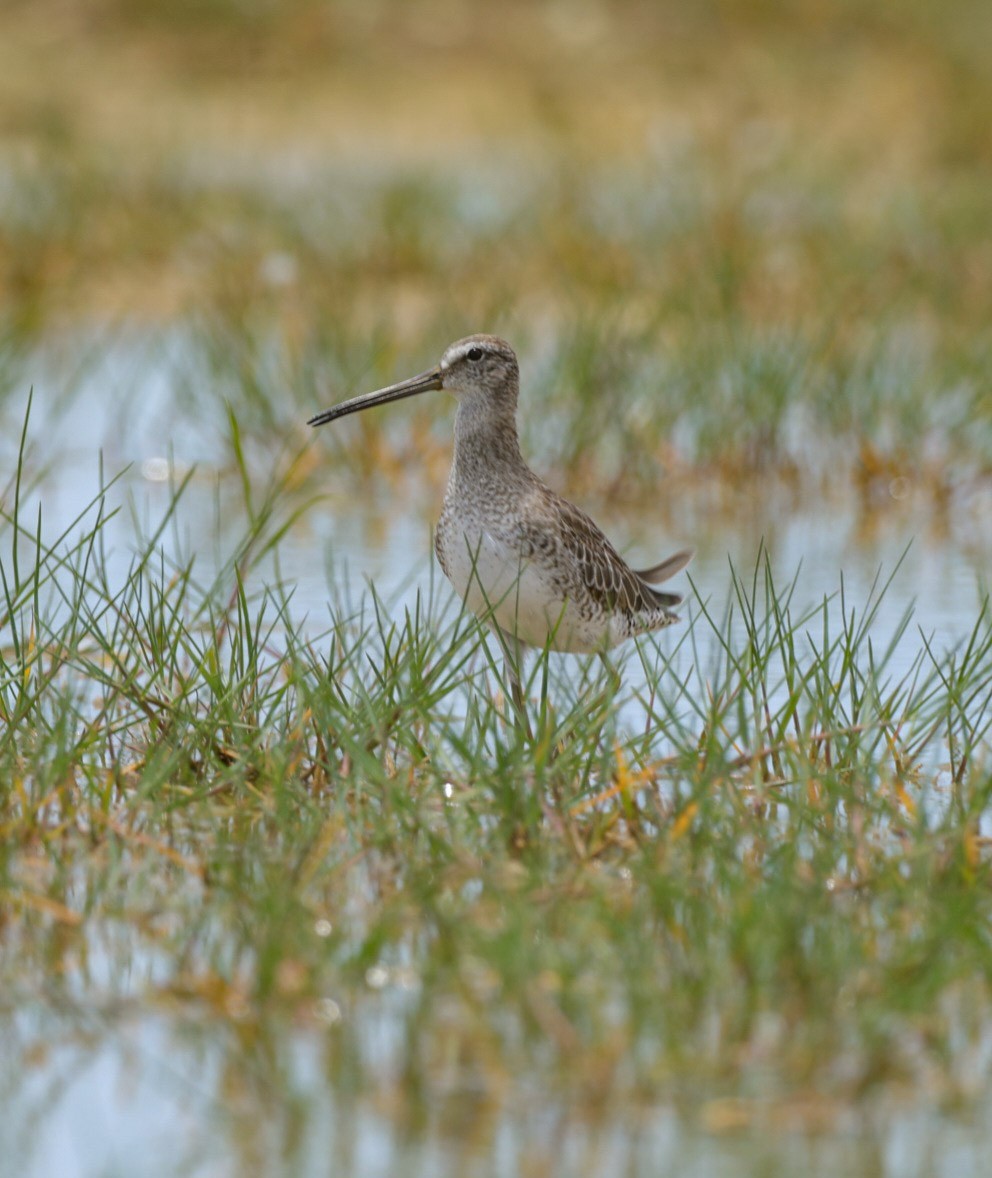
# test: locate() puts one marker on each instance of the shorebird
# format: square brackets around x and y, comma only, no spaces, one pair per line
[522,558]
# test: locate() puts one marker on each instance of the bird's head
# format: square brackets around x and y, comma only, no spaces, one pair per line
[480,368]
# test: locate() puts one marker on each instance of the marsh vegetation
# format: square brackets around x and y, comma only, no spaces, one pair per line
[279,881]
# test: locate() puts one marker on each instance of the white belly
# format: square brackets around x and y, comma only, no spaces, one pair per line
[518,596]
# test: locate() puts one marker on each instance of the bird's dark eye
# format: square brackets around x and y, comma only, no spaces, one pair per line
[474,354]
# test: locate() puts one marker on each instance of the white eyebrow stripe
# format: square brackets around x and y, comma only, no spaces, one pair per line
[458,353]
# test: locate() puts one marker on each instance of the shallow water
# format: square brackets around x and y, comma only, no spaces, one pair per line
[125,418]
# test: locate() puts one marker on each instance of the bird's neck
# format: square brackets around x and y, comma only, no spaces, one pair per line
[486,437]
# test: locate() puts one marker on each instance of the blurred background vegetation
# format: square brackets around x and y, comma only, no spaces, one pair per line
[763,220]
[789,161]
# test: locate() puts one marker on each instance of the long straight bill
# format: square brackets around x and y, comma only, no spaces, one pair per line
[396,392]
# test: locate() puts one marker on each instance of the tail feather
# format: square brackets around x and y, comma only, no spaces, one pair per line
[662,572]
[668,567]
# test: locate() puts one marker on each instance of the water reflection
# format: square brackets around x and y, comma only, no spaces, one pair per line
[270,1098]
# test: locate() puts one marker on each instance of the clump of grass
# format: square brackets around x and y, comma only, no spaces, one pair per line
[767,871]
